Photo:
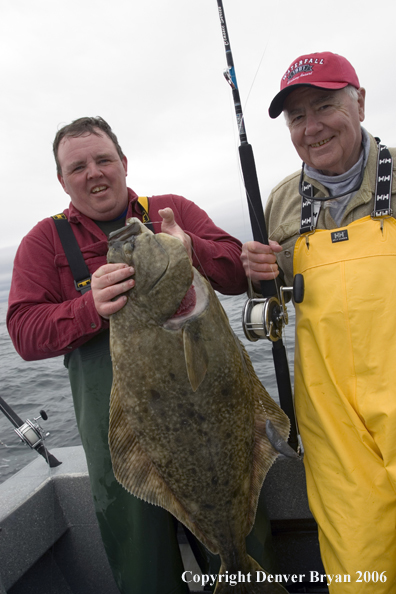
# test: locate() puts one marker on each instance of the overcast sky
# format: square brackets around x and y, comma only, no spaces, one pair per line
[154,71]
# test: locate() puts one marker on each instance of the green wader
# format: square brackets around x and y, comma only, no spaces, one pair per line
[140,539]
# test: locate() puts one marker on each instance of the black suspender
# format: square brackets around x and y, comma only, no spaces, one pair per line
[80,272]
[383,188]
[78,267]
[307,210]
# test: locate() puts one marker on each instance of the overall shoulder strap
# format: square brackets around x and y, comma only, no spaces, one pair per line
[80,271]
[310,210]
[383,188]
[144,207]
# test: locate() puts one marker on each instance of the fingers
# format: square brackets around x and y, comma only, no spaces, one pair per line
[259,260]
[108,283]
[274,245]
[170,227]
[168,218]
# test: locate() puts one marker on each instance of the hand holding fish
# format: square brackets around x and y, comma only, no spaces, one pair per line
[108,282]
[259,260]
[170,227]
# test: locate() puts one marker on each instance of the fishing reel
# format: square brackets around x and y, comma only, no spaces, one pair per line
[31,433]
[265,317]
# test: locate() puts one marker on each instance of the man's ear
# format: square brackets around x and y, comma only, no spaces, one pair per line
[62,182]
[361,102]
[124,161]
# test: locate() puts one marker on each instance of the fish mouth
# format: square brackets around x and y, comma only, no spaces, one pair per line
[187,304]
[194,302]
[121,242]
[131,229]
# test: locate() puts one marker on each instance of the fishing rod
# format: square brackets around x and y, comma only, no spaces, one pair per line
[263,317]
[30,432]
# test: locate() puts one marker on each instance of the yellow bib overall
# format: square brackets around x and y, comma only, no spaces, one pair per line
[345,398]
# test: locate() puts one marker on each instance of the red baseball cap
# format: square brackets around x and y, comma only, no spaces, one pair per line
[324,70]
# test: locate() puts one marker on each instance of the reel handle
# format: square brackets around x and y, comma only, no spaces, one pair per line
[266,317]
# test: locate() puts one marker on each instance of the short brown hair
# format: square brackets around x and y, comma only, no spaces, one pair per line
[81,127]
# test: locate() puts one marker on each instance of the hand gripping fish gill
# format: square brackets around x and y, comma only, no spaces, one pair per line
[188,424]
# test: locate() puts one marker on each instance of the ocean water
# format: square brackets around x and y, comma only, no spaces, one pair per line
[29,386]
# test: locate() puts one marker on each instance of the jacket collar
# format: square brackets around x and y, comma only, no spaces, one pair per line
[365,193]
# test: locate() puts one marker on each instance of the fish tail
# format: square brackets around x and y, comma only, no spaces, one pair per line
[252,579]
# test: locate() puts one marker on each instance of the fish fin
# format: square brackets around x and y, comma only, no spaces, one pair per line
[264,454]
[195,356]
[131,466]
[134,470]
[278,442]
[255,584]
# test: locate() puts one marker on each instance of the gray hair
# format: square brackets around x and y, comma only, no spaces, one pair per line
[352,91]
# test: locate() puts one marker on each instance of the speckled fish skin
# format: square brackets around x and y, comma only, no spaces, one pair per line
[187,411]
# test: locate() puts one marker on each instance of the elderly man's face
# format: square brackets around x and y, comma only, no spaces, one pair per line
[325,127]
[93,175]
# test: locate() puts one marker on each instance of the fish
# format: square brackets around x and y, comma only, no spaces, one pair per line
[188,413]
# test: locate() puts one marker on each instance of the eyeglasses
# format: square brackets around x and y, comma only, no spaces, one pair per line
[310,197]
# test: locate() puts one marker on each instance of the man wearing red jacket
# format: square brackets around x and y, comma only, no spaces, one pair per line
[48,316]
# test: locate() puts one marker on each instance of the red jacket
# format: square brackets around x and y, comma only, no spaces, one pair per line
[47,317]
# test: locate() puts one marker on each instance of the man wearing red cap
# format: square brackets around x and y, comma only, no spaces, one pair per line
[332,222]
